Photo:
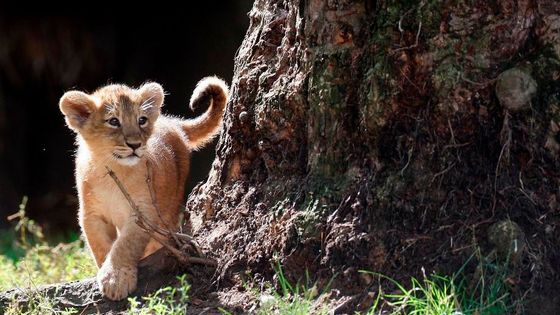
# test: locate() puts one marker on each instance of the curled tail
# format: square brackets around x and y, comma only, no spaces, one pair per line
[202,129]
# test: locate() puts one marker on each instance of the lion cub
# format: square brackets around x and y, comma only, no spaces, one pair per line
[121,128]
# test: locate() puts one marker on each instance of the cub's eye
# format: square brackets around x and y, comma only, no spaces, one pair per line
[114,122]
[142,120]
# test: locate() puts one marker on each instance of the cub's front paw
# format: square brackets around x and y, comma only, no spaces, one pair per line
[116,282]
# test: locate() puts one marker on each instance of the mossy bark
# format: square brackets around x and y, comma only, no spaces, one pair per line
[367,135]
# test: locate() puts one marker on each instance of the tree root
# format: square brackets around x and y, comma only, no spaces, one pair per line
[154,272]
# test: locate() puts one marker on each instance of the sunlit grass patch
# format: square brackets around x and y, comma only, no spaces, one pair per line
[292,299]
[434,295]
[485,293]
[170,300]
[43,264]
[30,260]
[36,304]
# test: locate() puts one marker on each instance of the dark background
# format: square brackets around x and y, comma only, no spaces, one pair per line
[42,56]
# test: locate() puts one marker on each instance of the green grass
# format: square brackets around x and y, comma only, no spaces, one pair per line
[170,300]
[489,292]
[486,293]
[291,299]
[37,305]
[44,264]
[28,259]
[434,295]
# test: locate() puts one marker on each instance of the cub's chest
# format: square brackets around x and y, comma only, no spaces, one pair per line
[111,203]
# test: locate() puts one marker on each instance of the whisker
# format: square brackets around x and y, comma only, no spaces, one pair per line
[148,104]
[111,108]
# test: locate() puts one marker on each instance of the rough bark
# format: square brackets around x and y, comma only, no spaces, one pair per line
[387,136]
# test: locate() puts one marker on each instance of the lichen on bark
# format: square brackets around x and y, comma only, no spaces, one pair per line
[357,127]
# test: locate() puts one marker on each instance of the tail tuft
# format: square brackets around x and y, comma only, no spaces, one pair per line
[211,92]
[208,89]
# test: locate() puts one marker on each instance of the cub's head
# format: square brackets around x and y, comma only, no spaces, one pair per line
[116,121]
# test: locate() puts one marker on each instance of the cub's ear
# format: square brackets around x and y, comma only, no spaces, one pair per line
[152,97]
[77,108]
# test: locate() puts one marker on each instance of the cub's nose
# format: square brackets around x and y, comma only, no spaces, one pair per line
[134,145]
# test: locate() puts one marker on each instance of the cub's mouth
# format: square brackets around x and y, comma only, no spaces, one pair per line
[128,155]
[118,156]
[127,160]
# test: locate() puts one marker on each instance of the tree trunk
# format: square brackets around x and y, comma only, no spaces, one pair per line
[388,136]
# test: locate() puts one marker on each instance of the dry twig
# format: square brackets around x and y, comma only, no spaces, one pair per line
[156,232]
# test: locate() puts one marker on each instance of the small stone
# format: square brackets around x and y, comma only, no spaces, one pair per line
[243,117]
[509,240]
[267,300]
[515,88]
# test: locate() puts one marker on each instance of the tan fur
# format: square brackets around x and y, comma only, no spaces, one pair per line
[106,219]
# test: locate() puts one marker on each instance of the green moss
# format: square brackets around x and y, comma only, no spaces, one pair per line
[311,215]
[430,14]
[327,92]
[393,185]
[482,47]
[409,14]
[328,82]
[375,106]
[446,77]
[546,69]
